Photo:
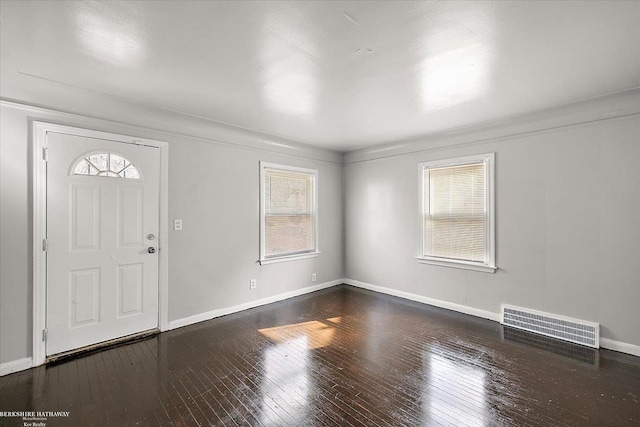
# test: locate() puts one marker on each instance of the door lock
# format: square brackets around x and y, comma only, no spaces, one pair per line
[151,250]
[150,236]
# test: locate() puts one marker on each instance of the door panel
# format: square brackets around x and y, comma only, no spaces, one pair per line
[130,216]
[130,289]
[85,217]
[102,282]
[84,297]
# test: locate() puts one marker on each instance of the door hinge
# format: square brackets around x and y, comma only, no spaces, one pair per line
[45,245]
[45,154]
[45,332]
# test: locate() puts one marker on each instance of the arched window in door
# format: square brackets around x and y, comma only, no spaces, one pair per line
[105,164]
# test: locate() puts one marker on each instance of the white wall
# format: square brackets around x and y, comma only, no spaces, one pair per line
[215,190]
[568,210]
[15,238]
[568,223]
[213,187]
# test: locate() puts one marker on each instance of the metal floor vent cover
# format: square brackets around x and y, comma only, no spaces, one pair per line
[552,325]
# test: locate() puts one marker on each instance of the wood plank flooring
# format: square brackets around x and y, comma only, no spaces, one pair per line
[338,357]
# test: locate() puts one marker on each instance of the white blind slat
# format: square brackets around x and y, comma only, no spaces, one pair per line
[455,212]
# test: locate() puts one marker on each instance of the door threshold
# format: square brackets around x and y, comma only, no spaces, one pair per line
[94,348]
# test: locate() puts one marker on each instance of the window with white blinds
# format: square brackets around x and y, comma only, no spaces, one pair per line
[288,212]
[457,212]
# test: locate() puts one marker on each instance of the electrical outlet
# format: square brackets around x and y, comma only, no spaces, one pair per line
[313,277]
[252,284]
[177,225]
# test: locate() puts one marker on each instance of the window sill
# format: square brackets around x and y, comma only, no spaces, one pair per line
[288,258]
[457,264]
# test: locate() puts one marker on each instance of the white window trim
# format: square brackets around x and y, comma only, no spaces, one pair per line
[490,265]
[264,260]
[285,258]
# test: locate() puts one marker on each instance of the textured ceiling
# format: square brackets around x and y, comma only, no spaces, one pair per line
[340,75]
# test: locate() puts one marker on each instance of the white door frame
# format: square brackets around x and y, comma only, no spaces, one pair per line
[39,134]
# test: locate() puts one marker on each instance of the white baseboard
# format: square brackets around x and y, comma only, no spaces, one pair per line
[16,366]
[27,362]
[426,300]
[622,347]
[607,343]
[178,323]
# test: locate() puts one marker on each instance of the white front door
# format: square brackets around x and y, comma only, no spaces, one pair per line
[102,234]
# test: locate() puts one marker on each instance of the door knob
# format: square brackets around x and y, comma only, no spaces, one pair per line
[151,250]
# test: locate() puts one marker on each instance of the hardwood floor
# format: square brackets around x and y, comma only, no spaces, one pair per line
[338,357]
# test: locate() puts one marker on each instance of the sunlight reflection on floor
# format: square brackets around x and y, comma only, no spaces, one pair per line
[318,334]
